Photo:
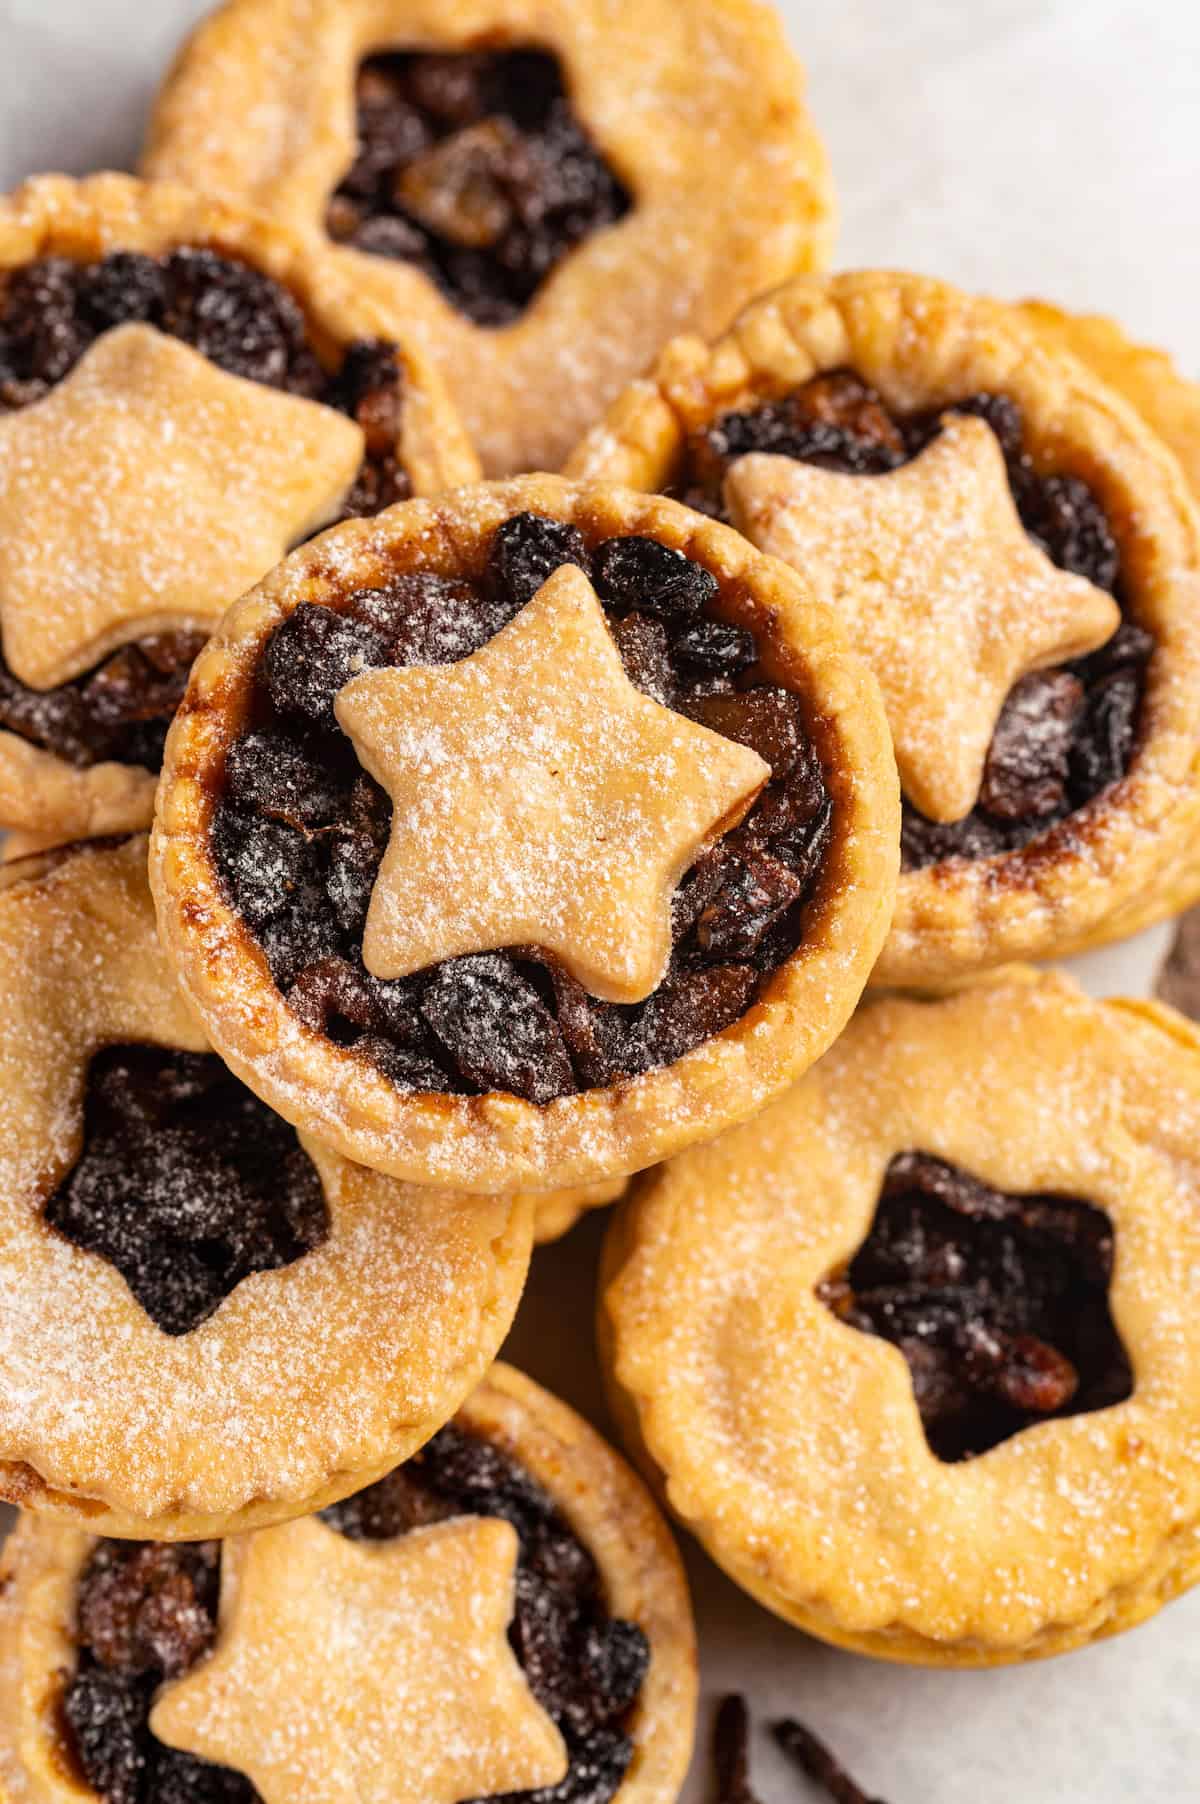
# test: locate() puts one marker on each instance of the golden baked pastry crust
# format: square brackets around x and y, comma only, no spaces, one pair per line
[85,221]
[791,1442]
[1147,378]
[499,1141]
[607,1508]
[1126,858]
[556,1212]
[308,1381]
[258,106]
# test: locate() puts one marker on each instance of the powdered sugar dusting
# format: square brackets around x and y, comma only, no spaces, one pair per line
[940,587]
[539,799]
[150,487]
[348,1671]
[794,1442]
[364,1345]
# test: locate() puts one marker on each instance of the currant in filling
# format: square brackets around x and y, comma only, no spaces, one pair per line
[51,311]
[1065,735]
[300,829]
[187,1183]
[474,167]
[147,1614]
[999,1303]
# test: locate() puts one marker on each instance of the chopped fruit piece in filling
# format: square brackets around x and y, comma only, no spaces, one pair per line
[474,168]
[186,1183]
[999,1303]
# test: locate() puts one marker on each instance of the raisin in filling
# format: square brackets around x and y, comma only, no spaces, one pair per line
[51,311]
[584,1668]
[474,167]
[186,1183]
[300,830]
[145,1614]
[999,1303]
[1065,735]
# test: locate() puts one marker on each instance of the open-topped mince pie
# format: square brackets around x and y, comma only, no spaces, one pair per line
[1017,556]
[537,192]
[210,1321]
[502,1617]
[517,838]
[180,403]
[917,1354]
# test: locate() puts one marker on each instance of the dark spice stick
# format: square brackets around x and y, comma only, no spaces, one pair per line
[815,1759]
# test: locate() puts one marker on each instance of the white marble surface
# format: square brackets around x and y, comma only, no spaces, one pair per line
[1047,146]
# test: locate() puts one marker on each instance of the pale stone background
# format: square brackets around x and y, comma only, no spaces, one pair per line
[1046,146]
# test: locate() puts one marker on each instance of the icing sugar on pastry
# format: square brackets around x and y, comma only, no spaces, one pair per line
[538,741]
[345,1671]
[218,475]
[941,587]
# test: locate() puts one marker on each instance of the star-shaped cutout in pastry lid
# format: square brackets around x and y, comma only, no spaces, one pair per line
[148,488]
[940,587]
[539,798]
[350,1672]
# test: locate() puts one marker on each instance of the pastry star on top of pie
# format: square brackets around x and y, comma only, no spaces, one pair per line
[182,483]
[941,587]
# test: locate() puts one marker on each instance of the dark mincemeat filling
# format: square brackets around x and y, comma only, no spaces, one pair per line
[999,1303]
[186,1183]
[51,312]
[473,167]
[1065,735]
[300,830]
[147,1613]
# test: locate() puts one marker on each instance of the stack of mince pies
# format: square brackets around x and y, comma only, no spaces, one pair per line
[416,840]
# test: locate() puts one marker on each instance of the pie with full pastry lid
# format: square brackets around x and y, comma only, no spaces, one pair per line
[640,858]
[1044,685]
[210,1322]
[538,192]
[518,1609]
[917,1355]
[181,401]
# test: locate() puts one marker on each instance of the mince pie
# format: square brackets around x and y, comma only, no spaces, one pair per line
[1016,554]
[518,838]
[504,1617]
[181,401]
[210,1322]
[528,190]
[917,1354]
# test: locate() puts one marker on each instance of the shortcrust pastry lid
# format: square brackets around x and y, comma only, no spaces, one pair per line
[425,1701]
[791,1443]
[606,1507]
[499,1141]
[939,584]
[252,472]
[1123,860]
[308,1381]
[259,107]
[540,736]
[85,221]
